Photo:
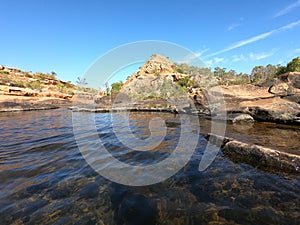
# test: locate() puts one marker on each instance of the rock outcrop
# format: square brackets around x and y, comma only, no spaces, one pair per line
[274,101]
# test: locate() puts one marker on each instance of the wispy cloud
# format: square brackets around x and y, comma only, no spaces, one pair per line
[233,26]
[297,50]
[189,58]
[288,9]
[259,56]
[218,60]
[252,56]
[256,38]
[237,58]
[215,60]
[198,54]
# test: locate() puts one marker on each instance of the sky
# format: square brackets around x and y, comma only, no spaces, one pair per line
[67,36]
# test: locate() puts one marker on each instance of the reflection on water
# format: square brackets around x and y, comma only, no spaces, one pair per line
[44,179]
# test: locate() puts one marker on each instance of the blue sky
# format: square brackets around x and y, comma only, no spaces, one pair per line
[68,36]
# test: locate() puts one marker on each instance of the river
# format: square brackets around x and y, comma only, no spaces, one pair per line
[44,179]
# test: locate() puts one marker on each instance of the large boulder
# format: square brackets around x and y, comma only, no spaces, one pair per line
[294,80]
[287,85]
[279,113]
[279,89]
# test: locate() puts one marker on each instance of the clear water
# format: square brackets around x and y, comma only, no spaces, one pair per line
[45,180]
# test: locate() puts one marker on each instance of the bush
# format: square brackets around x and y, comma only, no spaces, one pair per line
[42,76]
[34,85]
[5,80]
[19,84]
[116,87]
[294,65]
[184,82]
[4,72]
[28,75]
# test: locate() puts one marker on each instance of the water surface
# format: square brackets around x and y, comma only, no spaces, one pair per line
[45,180]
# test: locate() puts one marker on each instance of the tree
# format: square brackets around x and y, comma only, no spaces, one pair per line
[107,89]
[116,87]
[294,65]
[184,82]
[220,72]
[260,73]
[281,70]
[81,81]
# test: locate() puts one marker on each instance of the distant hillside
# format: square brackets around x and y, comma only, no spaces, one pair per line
[17,82]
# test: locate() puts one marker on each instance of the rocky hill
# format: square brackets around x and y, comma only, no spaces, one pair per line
[152,80]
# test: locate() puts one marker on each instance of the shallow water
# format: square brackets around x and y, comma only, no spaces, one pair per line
[45,180]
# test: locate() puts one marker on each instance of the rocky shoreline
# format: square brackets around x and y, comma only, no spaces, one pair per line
[32,104]
[18,107]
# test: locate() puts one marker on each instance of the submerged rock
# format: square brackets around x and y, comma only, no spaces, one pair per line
[243,118]
[262,157]
[258,156]
[135,210]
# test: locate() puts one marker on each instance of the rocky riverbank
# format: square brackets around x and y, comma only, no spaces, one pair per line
[268,102]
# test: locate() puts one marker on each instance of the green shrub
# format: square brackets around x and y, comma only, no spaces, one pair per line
[34,85]
[184,81]
[4,72]
[6,80]
[28,75]
[20,84]
[294,65]
[42,76]
[156,73]
[116,87]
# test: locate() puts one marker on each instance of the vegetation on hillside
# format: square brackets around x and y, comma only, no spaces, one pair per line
[229,77]
[41,82]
